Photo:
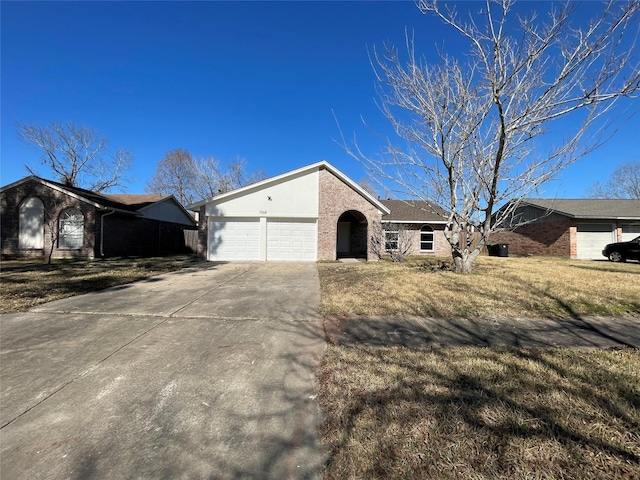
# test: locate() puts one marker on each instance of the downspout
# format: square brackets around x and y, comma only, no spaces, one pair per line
[102,232]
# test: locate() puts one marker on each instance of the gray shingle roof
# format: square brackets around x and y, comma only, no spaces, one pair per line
[413,211]
[589,207]
[136,201]
[124,203]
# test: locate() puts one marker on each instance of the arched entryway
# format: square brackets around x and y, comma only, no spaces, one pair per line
[352,237]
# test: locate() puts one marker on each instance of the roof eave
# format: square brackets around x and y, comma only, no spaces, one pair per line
[434,222]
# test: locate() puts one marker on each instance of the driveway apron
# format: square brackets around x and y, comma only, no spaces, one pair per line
[203,373]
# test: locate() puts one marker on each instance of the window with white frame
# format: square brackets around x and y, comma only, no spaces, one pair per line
[426,239]
[71,229]
[391,234]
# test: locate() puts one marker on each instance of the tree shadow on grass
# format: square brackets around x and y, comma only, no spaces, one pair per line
[479,413]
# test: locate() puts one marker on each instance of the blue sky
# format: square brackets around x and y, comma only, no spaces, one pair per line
[254,79]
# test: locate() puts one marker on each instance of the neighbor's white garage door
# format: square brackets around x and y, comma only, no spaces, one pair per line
[294,240]
[629,232]
[592,238]
[234,239]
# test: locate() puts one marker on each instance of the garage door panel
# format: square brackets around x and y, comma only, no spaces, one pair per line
[629,232]
[294,240]
[234,239]
[591,239]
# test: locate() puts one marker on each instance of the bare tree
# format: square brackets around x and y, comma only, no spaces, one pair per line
[623,183]
[52,225]
[190,180]
[215,179]
[368,187]
[471,128]
[78,156]
[177,175]
[377,240]
[393,239]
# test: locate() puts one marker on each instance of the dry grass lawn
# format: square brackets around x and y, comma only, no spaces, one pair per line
[520,287]
[481,413]
[25,284]
[472,413]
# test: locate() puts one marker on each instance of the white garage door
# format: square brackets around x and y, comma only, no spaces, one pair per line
[592,238]
[234,239]
[629,232]
[293,240]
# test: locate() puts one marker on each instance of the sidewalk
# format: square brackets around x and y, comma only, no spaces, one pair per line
[417,332]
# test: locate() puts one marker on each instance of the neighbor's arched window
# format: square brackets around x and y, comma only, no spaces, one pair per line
[71,232]
[426,239]
[31,223]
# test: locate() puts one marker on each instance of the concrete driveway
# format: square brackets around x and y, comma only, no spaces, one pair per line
[203,373]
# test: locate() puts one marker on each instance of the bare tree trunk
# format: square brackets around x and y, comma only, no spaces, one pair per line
[54,231]
[464,247]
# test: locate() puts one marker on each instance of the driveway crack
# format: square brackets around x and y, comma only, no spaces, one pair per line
[83,373]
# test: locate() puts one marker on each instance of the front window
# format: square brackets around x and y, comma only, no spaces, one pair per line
[426,238]
[391,239]
[71,229]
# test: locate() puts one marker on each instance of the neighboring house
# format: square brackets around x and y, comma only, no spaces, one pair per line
[312,213]
[570,228]
[38,214]
[424,222]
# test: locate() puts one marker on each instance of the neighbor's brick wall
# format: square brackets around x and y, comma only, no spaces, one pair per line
[336,198]
[54,203]
[124,235]
[551,238]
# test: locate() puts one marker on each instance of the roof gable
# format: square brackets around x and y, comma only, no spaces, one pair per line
[95,199]
[132,204]
[290,175]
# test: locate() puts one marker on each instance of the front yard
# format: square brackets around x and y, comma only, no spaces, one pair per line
[510,287]
[482,413]
[457,413]
[25,284]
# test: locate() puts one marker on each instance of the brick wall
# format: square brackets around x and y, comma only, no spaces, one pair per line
[124,235]
[336,198]
[550,238]
[441,245]
[202,232]
[54,203]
